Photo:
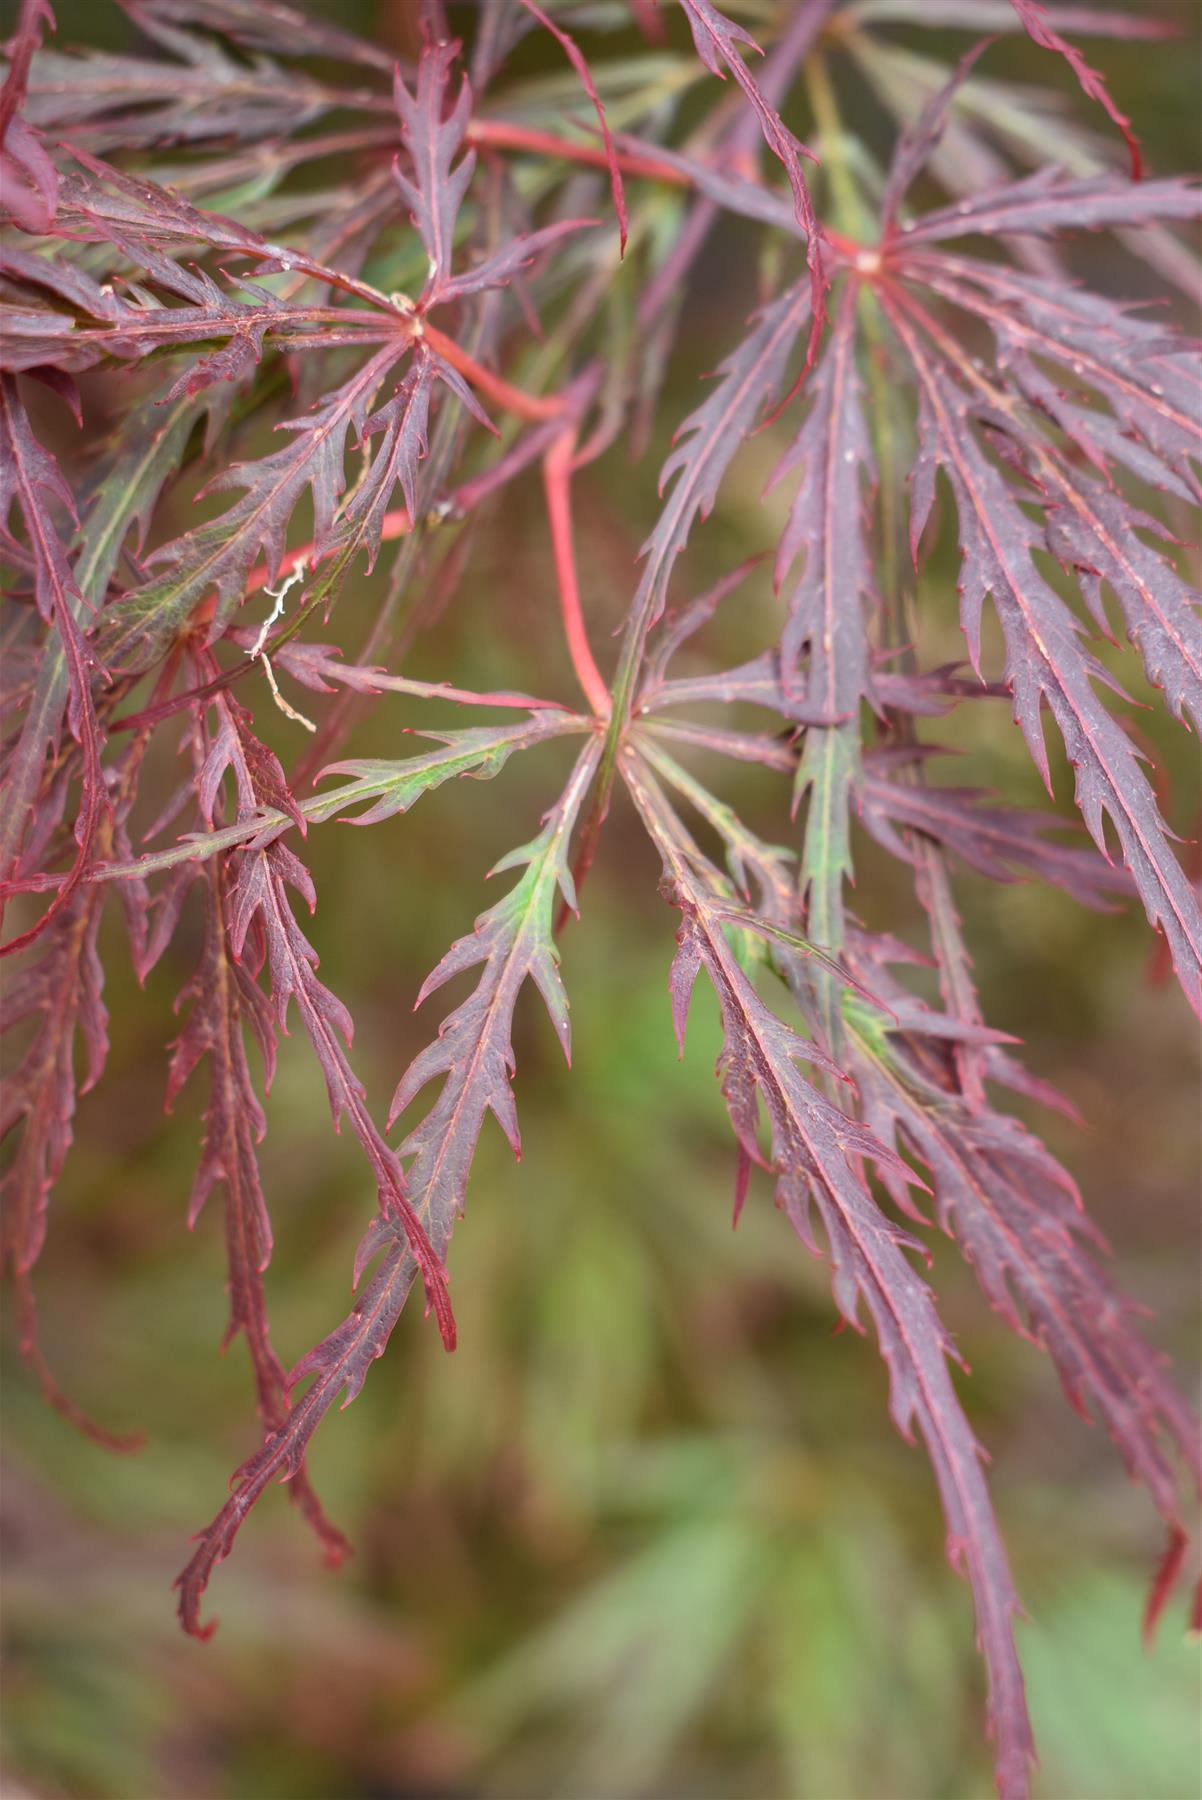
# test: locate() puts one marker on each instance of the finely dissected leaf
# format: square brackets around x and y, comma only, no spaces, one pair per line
[263,25]
[1045,658]
[128,331]
[684,622]
[996,122]
[1050,201]
[570,48]
[59,993]
[513,942]
[141,219]
[746,854]
[386,788]
[919,140]
[825,614]
[731,192]
[705,444]
[258,899]
[1095,534]
[499,269]
[108,100]
[434,136]
[207,228]
[219,557]
[1038,24]
[28,178]
[718,40]
[224,998]
[106,204]
[743,746]
[760,682]
[815,1160]
[999,841]
[481,752]
[1143,374]
[260,892]
[402,423]
[711,435]
[1148,378]
[1018,1219]
[1001,16]
[124,493]
[320,666]
[830,459]
[62,991]
[31,481]
[991,125]
[777,906]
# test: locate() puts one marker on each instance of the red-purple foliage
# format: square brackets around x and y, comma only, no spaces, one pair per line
[946,340]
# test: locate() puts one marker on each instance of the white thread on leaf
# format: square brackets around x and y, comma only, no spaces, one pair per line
[288,711]
[279,595]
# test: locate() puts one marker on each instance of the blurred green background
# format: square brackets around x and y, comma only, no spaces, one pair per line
[649,1532]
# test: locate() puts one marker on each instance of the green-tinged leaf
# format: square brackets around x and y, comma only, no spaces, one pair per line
[817,1153]
[123,495]
[513,941]
[386,788]
[218,558]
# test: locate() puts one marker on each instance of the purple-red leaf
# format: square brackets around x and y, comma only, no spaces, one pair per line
[916,143]
[831,460]
[574,55]
[434,134]
[1051,201]
[1046,662]
[28,178]
[1147,375]
[61,995]
[815,1157]
[224,999]
[219,557]
[262,25]
[513,942]
[1037,22]
[500,268]
[259,892]
[31,481]
[717,40]
[705,444]
[1018,1220]
[1002,842]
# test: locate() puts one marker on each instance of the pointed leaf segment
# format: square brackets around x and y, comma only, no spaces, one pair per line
[815,1159]
[512,943]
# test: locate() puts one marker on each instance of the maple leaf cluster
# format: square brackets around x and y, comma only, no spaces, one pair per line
[424,337]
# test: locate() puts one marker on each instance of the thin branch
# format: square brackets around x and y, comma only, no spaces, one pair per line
[557,478]
[493,387]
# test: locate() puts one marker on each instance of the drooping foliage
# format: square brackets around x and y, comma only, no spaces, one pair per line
[421,335]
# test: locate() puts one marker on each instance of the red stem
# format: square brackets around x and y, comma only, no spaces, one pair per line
[392,525]
[499,134]
[514,400]
[557,478]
